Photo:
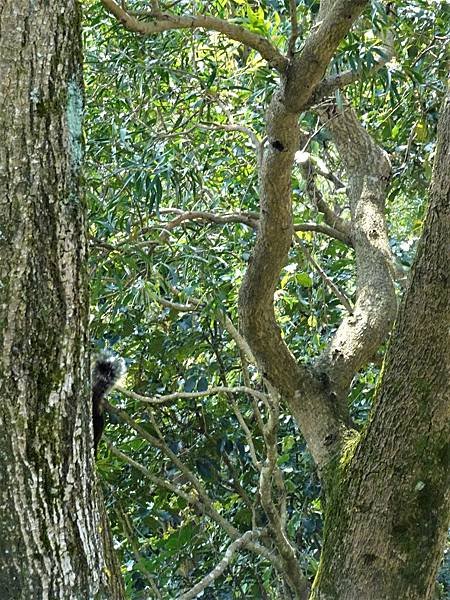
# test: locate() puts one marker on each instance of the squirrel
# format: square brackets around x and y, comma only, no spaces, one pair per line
[106,372]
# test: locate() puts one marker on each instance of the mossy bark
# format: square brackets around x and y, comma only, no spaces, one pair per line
[53,541]
[388,502]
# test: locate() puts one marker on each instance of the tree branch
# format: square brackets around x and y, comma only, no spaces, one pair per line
[221,566]
[331,218]
[247,432]
[207,506]
[237,337]
[251,220]
[294,27]
[128,531]
[177,305]
[158,442]
[333,287]
[229,391]
[271,483]
[170,398]
[330,84]
[164,21]
[307,68]
[409,426]
[299,386]
[190,499]
[360,334]
[326,230]
[256,143]
[210,217]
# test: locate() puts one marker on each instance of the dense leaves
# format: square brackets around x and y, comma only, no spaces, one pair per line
[171,127]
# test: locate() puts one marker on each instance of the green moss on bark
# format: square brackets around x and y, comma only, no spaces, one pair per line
[337,512]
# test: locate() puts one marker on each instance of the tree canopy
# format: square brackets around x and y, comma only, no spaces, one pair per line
[175,133]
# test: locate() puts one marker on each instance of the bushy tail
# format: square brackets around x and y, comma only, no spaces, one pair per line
[106,372]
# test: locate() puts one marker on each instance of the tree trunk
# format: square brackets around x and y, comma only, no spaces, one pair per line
[54,542]
[388,498]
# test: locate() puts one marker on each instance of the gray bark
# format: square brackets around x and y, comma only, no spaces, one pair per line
[389,500]
[373,544]
[54,539]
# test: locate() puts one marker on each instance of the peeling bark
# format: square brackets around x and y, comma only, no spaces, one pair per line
[54,540]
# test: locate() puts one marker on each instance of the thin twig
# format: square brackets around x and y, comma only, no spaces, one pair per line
[176,305]
[221,566]
[333,287]
[128,531]
[256,143]
[170,398]
[247,432]
[341,80]
[191,499]
[246,376]
[270,481]
[238,338]
[331,218]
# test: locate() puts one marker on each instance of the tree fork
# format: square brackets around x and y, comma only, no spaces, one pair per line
[389,502]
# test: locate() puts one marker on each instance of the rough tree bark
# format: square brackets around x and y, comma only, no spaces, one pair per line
[389,501]
[387,490]
[54,540]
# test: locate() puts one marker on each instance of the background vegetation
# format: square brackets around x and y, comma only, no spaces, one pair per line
[170,128]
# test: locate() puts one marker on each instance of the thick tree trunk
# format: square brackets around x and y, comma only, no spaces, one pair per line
[388,496]
[53,542]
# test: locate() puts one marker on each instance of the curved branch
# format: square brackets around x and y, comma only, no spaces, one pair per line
[258,146]
[314,412]
[251,220]
[221,566]
[332,219]
[360,334]
[197,501]
[326,230]
[238,339]
[177,305]
[333,82]
[210,217]
[207,505]
[307,68]
[341,80]
[164,21]
[272,493]
[408,427]
[333,287]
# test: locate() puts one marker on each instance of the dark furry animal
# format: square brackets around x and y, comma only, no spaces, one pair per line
[107,371]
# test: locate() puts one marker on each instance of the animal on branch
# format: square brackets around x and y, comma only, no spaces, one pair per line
[107,371]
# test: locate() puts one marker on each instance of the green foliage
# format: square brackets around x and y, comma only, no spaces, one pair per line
[157,143]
